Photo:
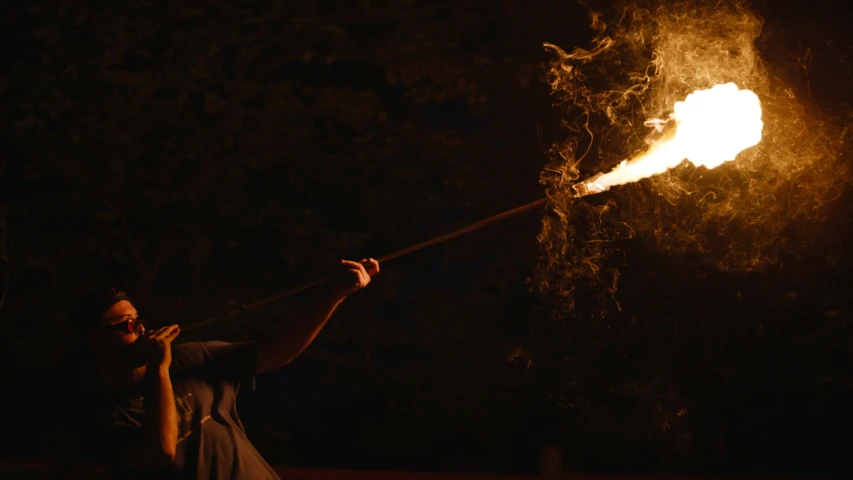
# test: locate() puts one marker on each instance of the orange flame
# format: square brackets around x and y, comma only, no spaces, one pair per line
[710,127]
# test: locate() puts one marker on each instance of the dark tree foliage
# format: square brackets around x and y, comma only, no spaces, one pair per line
[203,156]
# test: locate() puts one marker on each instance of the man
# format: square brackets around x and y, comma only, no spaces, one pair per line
[168,411]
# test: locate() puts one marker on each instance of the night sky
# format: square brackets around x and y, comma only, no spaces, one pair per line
[205,157]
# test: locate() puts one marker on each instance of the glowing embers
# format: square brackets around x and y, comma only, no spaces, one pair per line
[708,128]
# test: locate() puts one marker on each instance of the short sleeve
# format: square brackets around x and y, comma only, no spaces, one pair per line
[231,361]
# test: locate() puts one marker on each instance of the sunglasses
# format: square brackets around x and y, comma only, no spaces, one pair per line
[126,327]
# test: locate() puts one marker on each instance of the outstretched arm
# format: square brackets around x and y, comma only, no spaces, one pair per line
[287,344]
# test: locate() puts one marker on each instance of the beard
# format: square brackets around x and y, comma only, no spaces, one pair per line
[131,355]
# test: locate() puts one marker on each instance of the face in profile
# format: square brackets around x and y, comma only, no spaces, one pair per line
[117,334]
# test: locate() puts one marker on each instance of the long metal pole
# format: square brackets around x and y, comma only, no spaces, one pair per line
[414,248]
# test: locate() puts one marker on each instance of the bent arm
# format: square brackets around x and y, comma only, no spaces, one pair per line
[157,443]
[292,340]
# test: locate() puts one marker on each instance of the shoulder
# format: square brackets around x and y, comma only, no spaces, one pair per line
[229,360]
[187,357]
[190,355]
[188,351]
[198,351]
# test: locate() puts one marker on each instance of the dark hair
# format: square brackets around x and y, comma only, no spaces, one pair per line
[92,306]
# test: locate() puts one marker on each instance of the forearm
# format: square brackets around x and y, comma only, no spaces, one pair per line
[156,444]
[293,339]
[282,348]
[162,429]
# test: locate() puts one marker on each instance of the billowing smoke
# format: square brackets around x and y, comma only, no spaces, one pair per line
[739,216]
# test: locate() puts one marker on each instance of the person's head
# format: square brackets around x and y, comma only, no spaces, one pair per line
[110,325]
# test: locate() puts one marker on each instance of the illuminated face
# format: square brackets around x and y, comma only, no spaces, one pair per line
[122,322]
[119,327]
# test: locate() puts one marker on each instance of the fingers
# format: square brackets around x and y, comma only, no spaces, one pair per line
[153,333]
[358,271]
[167,332]
[359,277]
[173,334]
[352,265]
[357,274]
[368,265]
[371,266]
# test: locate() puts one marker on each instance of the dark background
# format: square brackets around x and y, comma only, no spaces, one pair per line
[205,156]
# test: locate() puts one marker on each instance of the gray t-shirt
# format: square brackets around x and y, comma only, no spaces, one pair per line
[212,443]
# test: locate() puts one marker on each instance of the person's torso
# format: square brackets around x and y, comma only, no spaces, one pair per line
[212,443]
